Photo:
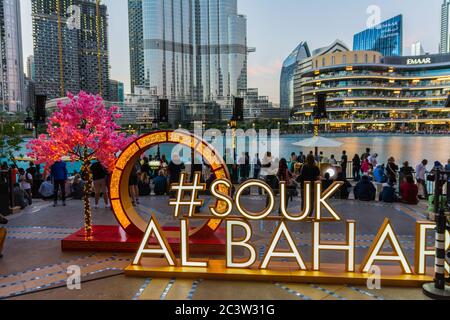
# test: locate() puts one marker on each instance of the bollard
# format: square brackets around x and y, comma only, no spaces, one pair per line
[438,290]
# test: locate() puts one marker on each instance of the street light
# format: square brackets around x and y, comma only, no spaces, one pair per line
[155,126]
[28,123]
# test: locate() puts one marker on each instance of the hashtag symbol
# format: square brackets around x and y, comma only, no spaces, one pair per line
[184,187]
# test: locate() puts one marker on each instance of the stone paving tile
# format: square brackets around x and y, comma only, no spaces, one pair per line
[233,290]
[350,294]
[45,222]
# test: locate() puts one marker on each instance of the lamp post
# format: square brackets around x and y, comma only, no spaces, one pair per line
[31,124]
[155,127]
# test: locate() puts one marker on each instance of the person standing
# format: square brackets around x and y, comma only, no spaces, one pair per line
[133,183]
[99,175]
[356,167]
[344,164]
[32,169]
[310,172]
[421,171]
[176,166]
[373,160]
[285,175]
[301,158]
[26,180]
[58,173]
[294,161]
[269,173]
[391,170]
[366,154]
[145,167]
[256,167]
[365,166]
[246,166]
[160,184]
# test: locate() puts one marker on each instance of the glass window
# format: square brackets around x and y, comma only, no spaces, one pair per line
[356,58]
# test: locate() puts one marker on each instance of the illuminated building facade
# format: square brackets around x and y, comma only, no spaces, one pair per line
[368,91]
[11,60]
[70,47]
[288,72]
[385,38]
[194,50]
[136,39]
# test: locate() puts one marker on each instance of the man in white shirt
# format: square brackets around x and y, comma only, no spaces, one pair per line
[373,160]
[269,170]
[421,170]
[25,180]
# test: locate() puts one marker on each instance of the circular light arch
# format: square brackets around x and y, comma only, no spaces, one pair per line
[124,211]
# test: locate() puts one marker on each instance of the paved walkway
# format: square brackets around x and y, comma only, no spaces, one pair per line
[34,267]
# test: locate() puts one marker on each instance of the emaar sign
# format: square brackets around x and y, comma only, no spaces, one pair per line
[418,61]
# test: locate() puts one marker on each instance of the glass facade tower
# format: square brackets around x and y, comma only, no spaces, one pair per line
[385,38]
[68,58]
[136,39]
[11,60]
[288,72]
[444,46]
[194,50]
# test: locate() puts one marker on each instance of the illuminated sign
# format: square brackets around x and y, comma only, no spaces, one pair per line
[283,260]
[418,61]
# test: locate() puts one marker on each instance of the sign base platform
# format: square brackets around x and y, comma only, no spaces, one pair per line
[115,239]
[279,272]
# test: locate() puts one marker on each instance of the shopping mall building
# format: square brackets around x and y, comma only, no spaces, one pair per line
[366,91]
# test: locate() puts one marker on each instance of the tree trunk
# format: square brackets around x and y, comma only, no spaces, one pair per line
[87,177]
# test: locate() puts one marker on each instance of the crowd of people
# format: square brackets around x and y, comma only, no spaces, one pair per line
[154,175]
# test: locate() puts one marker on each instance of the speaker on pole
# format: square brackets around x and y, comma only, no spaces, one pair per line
[39,114]
[320,110]
[238,109]
[163,110]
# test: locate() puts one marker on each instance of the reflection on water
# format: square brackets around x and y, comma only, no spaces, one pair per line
[403,148]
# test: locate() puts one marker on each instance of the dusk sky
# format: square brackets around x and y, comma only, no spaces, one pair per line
[276,27]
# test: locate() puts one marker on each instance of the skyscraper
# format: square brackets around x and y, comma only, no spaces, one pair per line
[444,45]
[386,38]
[11,60]
[194,50]
[287,74]
[417,49]
[68,56]
[31,72]
[93,57]
[136,39]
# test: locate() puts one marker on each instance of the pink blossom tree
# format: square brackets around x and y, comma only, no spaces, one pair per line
[82,129]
